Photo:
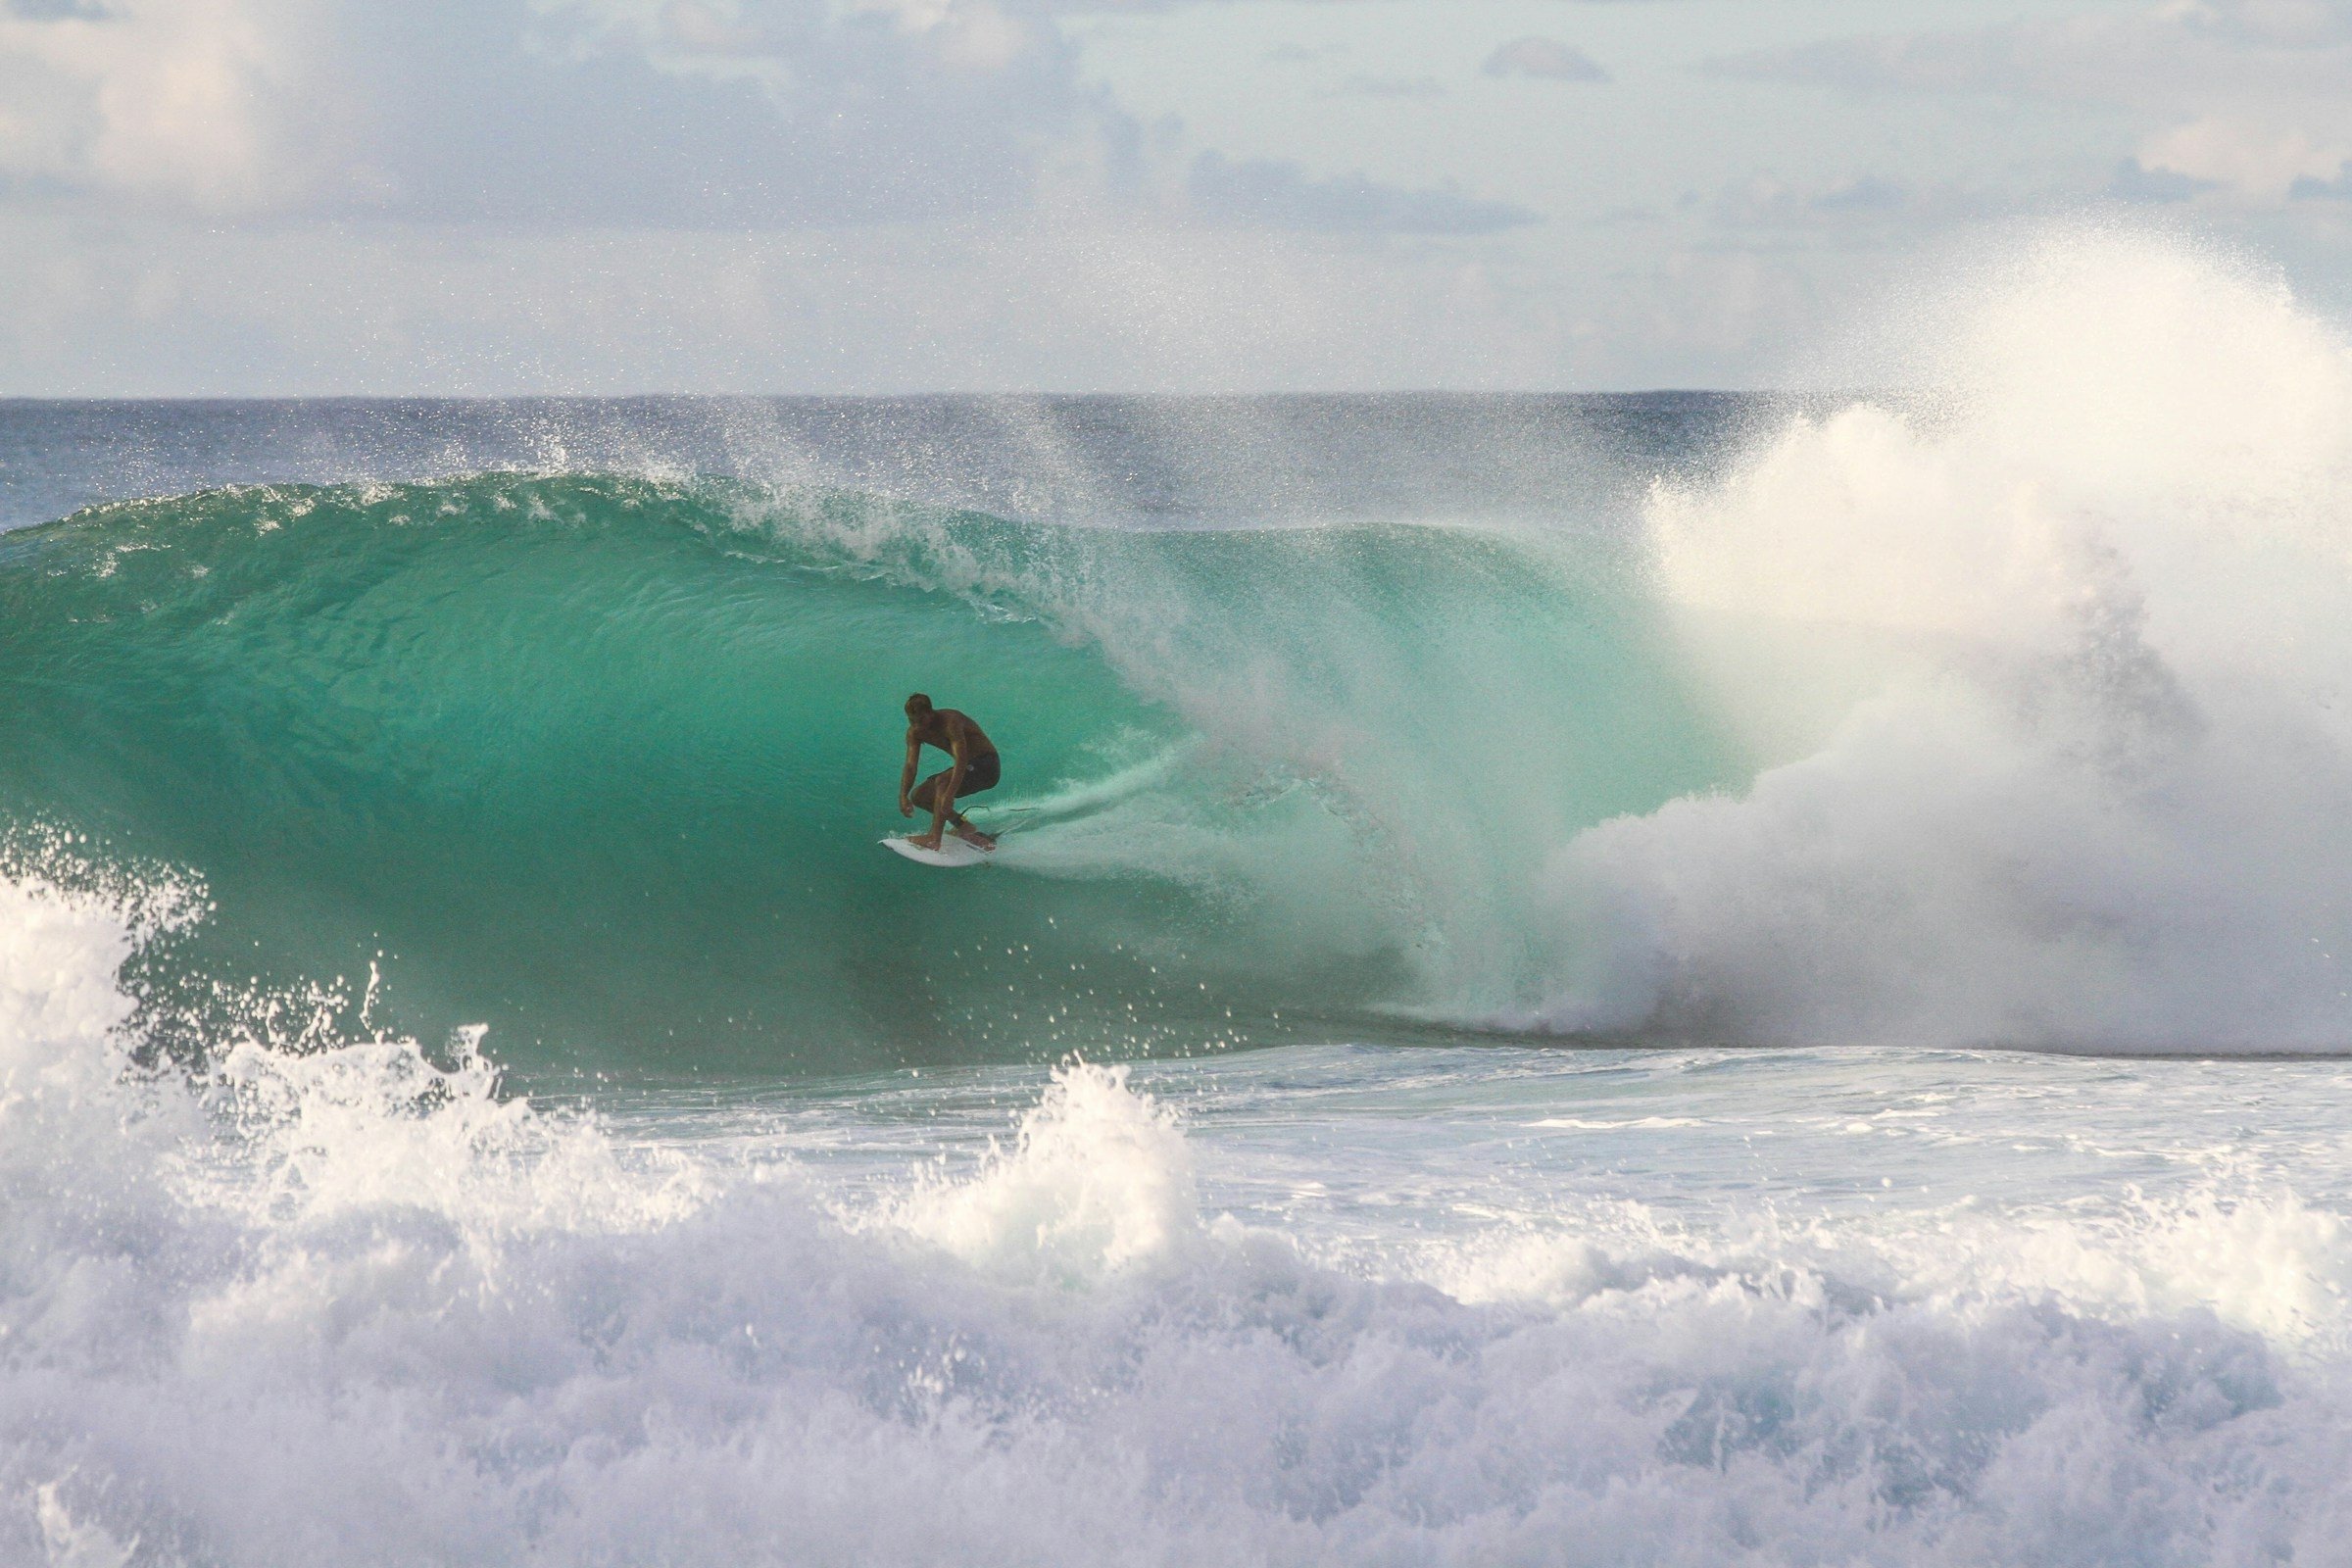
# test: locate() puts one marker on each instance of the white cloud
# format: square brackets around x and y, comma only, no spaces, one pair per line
[774,112]
[1547,59]
[217,104]
[2135,181]
[2236,99]
[1369,86]
[751,115]
[2261,160]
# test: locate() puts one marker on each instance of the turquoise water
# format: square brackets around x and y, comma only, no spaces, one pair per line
[599,762]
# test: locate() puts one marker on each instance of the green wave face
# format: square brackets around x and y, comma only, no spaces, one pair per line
[601,763]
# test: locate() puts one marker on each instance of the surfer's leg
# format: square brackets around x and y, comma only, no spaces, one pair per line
[965,830]
[982,774]
[930,798]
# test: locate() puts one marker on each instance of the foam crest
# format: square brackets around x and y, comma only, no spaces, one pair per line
[2263,1261]
[1097,1181]
[354,1127]
[2259,1259]
[71,1544]
[60,1003]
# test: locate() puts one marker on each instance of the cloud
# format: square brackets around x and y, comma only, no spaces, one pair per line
[1868,204]
[1360,86]
[535,194]
[1545,59]
[772,112]
[2134,181]
[203,103]
[2336,187]
[2027,58]
[1281,195]
[2250,158]
[2239,98]
[2162,56]
[1867,194]
[757,114]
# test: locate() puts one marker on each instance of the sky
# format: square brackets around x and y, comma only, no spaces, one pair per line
[498,197]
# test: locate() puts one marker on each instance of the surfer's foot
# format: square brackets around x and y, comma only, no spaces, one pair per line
[973,836]
[923,841]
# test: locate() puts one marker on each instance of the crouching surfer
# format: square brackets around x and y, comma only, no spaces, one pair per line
[974,768]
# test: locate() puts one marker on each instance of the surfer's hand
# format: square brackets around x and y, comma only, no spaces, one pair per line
[905,807]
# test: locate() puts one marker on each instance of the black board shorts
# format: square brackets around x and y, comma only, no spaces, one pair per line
[980,773]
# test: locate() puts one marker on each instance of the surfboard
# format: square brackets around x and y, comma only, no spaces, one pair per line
[952,851]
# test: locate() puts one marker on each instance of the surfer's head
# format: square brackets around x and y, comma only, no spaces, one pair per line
[919,708]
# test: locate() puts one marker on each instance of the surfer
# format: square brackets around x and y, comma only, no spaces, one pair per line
[975,768]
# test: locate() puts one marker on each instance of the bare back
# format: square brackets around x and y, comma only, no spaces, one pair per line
[945,728]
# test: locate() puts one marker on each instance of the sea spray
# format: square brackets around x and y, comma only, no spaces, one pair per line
[1098,1180]
[2048,687]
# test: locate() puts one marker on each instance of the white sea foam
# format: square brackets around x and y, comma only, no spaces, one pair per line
[2047,683]
[1097,1181]
[350,1306]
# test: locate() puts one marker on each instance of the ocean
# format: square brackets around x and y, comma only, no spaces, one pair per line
[1673,978]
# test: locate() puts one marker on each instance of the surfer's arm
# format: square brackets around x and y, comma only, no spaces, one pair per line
[915,752]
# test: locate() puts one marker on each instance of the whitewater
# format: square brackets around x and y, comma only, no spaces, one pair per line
[1676,979]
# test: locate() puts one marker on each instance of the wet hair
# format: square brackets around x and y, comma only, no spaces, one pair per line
[918,703]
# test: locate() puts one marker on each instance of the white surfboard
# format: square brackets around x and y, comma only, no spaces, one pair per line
[952,851]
